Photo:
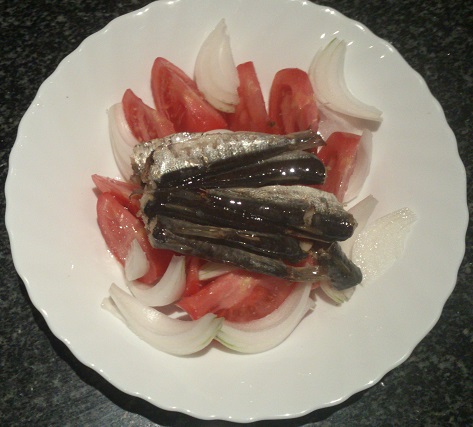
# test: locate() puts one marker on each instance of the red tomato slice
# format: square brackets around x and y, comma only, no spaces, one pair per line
[176,96]
[193,283]
[145,122]
[250,113]
[121,190]
[291,102]
[119,227]
[238,296]
[339,158]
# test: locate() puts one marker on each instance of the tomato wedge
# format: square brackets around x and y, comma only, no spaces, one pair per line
[193,284]
[238,296]
[339,158]
[250,113]
[119,227]
[123,191]
[145,122]
[176,96]
[292,104]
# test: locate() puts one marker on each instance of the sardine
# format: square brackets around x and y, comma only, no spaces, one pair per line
[294,210]
[172,160]
[206,195]
[271,245]
[293,167]
[327,261]
[313,212]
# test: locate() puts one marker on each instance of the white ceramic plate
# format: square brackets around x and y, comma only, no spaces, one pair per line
[336,351]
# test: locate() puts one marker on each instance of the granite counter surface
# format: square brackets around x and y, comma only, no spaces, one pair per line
[42,383]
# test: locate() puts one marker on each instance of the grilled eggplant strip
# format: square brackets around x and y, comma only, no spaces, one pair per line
[271,245]
[171,160]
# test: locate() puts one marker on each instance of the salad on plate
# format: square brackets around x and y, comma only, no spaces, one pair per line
[232,214]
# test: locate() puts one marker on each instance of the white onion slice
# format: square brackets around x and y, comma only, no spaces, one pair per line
[380,244]
[110,306]
[362,166]
[136,263]
[121,138]
[331,121]
[174,336]
[169,288]
[336,295]
[210,270]
[215,73]
[326,73]
[268,332]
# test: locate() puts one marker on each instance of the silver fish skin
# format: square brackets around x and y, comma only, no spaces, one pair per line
[183,155]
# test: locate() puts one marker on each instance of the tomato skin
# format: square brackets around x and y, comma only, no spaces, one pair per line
[145,122]
[250,113]
[292,105]
[238,296]
[177,97]
[121,190]
[119,227]
[339,158]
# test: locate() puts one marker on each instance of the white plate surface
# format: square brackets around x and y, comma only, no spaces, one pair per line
[336,351]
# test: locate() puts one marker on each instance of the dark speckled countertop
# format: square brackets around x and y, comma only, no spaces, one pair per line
[42,383]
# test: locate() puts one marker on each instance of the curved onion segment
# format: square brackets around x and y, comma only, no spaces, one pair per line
[263,334]
[215,72]
[169,288]
[174,336]
[136,263]
[326,74]
[121,138]
[381,243]
[336,295]
[211,270]
[331,121]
